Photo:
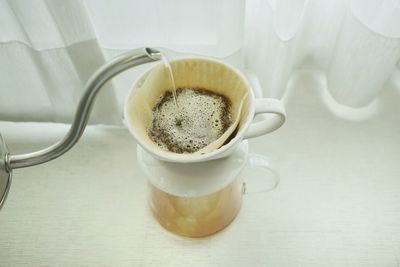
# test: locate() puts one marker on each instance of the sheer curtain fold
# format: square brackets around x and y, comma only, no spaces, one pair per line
[356,43]
[48,51]
[49,48]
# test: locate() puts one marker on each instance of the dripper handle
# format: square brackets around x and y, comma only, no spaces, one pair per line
[267,124]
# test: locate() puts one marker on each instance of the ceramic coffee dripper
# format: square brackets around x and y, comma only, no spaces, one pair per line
[212,75]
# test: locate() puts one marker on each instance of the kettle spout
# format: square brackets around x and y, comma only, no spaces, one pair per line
[153,53]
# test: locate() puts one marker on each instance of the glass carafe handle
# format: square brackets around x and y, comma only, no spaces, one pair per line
[259,175]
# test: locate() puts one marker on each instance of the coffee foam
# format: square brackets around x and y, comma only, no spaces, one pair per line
[201,118]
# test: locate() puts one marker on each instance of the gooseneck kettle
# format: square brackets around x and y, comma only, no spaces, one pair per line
[9,161]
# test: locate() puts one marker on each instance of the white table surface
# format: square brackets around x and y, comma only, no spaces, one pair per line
[338,202]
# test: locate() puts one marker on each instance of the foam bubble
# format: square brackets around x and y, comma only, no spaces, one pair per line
[202,118]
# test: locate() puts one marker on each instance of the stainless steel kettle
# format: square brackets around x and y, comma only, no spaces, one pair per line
[9,161]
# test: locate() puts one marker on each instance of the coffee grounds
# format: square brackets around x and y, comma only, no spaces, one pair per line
[202,118]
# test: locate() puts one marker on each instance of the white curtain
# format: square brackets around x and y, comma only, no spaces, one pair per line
[49,48]
[354,43]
